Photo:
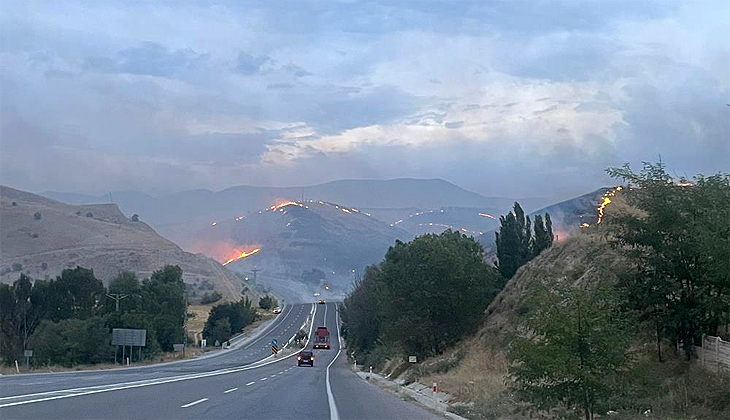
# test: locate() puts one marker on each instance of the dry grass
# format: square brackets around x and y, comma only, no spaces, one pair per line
[479,376]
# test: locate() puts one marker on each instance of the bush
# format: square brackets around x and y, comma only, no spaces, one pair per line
[238,314]
[72,341]
[89,214]
[211,298]
[17,266]
[37,216]
[135,217]
[267,302]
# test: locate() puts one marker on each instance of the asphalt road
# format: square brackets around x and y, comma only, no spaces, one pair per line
[243,382]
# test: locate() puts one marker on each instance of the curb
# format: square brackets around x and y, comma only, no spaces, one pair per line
[416,390]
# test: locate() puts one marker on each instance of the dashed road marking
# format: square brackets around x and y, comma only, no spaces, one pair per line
[250,383]
[229,390]
[194,403]
[264,378]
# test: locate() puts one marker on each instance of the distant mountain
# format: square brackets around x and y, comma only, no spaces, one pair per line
[286,239]
[176,215]
[41,237]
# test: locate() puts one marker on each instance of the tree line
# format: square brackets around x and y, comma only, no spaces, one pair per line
[68,320]
[518,242]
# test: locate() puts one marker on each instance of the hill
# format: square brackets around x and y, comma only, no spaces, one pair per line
[288,238]
[174,214]
[41,237]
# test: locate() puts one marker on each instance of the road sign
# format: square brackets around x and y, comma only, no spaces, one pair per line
[178,347]
[203,342]
[412,359]
[28,353]
[129,337]
[274,349]
[274,342]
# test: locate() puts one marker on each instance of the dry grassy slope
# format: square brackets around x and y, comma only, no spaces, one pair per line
[583,259]
[107,242]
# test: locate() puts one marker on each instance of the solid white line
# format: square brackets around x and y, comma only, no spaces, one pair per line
[77,392]
[334,414]
[149,382]
[194,402]
[250,383]
[229,390]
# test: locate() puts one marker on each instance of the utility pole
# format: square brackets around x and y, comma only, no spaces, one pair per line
[255,270]
[185,325]
[117,297]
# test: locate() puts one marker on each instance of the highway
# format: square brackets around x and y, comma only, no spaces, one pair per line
[242,382]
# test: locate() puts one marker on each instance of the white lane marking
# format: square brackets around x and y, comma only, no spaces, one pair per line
[229,390]
[281,372]
[264,378]
[250,383]
[273,374]
[149,382]
[334,414]
[194,402]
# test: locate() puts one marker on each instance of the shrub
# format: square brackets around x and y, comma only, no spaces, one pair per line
[211,298]
[267,302]
[37,215]
[17,266]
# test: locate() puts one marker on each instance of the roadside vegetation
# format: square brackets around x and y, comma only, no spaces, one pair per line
[227,319]
[67,321]
[425,296]
[603,324]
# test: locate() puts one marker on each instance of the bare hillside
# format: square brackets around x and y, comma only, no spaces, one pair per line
[41,237]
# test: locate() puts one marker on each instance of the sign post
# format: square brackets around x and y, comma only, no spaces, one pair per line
[274,347]
[412,359]
[129,337]
[28,354]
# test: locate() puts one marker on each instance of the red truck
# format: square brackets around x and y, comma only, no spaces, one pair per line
[322,338]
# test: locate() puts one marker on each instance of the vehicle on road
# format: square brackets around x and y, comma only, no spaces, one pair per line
[321,301]
[277,310]
[305,357]
[322,338]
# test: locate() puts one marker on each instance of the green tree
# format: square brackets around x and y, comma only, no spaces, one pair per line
[75,294]
[125,283]
[267,302]
[237,314]
[432,291]
[543,239]
[680,241]
[359,313]
[164,296]
[220,331]
[72,341]
[573,348]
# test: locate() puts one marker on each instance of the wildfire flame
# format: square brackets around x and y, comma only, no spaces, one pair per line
[606,201]
[243,254]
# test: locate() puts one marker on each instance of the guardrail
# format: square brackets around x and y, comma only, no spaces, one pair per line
[714,352]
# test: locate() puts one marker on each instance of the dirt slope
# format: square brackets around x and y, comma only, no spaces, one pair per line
[41,237]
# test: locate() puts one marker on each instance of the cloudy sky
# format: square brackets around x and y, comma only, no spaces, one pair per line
[512,98]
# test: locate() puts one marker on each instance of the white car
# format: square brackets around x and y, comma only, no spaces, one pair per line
[277,310]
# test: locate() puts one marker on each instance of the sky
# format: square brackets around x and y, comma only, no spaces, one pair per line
[505,98]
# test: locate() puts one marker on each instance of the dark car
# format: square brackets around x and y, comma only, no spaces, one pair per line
[321,301]
[305,357]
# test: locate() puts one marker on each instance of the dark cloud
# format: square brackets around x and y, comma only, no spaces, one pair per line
[248,64]
[150,59]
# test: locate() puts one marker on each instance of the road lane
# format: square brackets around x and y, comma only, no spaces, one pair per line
[278,390]
[282,329]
